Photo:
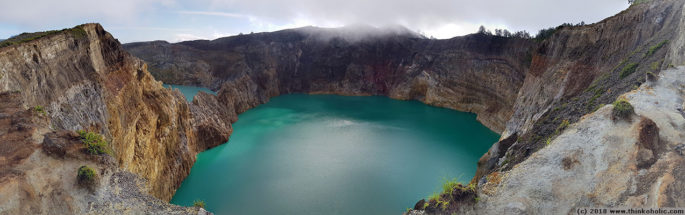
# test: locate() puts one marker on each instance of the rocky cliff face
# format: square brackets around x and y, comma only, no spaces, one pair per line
[561,149]
[531,91]
[476,73]
[81,78]
[545,97]
[597,162]
[578,70]
[600,161]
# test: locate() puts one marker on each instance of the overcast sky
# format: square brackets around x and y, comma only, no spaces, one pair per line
[177,20]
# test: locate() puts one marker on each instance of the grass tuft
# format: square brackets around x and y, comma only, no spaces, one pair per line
[199,203]
[87,177]
[561,127]
[628,69]
[655,48]
[450,185]
[40,110]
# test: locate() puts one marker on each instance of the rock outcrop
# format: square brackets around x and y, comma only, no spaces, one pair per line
[81,78]
[579,69]
[602,162]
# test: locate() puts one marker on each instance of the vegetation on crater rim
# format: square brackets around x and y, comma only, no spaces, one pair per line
[95,143]
[39,109]
[87,177]
[622,109]
[77,32]
[199,203]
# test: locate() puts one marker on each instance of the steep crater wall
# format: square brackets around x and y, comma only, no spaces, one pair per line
[476,73]
[578,70]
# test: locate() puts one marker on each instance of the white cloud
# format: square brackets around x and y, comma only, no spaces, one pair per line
[210,36]
[439,18]
[186,37]
[450,30]
[442,17]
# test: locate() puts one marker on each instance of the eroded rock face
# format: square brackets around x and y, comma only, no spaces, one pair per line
[597,162]
[39,165]
[581,68]
[83,79]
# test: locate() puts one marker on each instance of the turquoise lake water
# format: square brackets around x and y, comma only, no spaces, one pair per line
[324,154]
[189,91]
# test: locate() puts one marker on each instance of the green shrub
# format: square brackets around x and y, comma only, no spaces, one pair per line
[655,48]
[39,109]
[78,32]
[26,37]
[95,143]
[87,177]
[562,126]
[622,110]
[449,187]
[199,203]
[628,69]
[545,33]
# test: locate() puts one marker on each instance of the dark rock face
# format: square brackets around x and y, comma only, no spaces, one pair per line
[649,134]
[212,123]
[17,126]
[648,143]
[59,143]
[420,204]
[476,73]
